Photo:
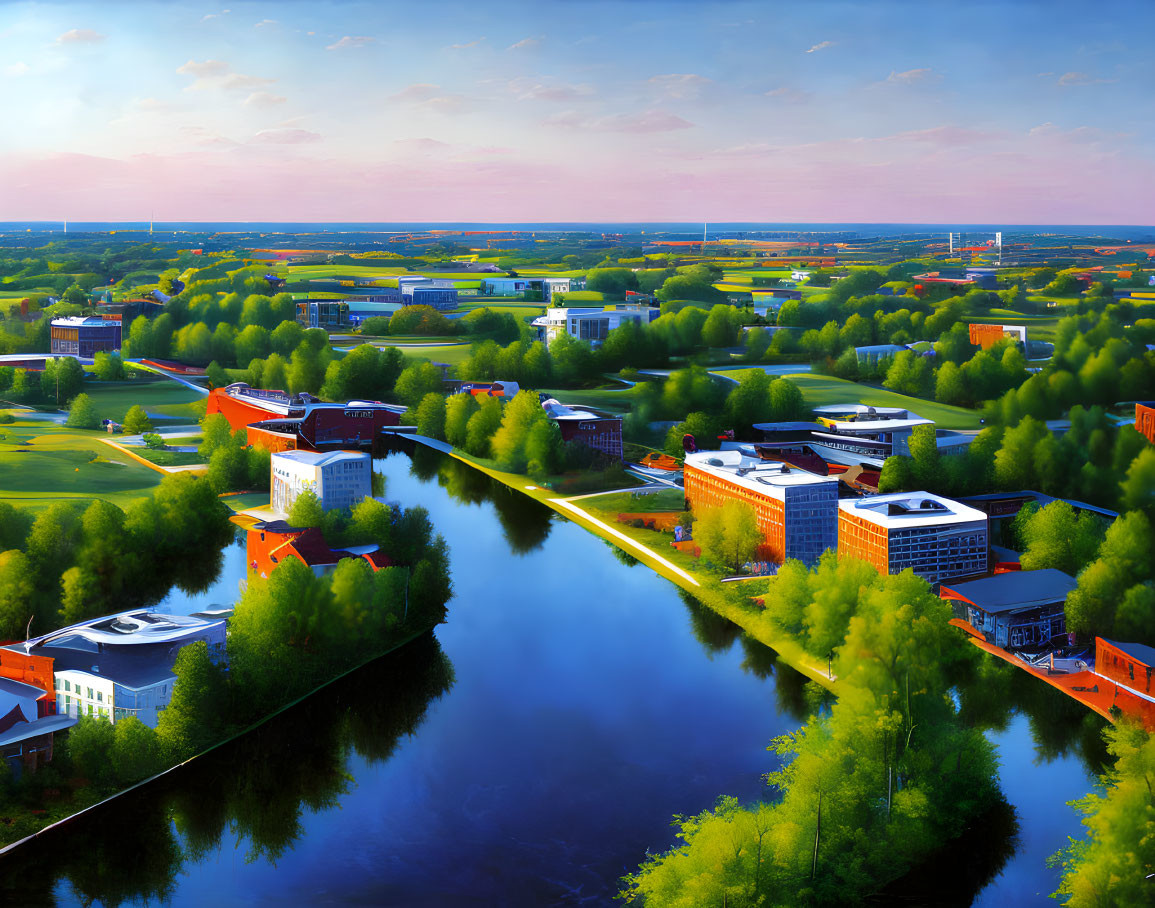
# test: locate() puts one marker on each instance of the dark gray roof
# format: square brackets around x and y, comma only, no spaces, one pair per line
[786,426]
[136,667]
[1016,589]
[1144,654]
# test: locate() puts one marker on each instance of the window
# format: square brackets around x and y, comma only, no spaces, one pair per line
[90,693]
[67,686]
[100,696]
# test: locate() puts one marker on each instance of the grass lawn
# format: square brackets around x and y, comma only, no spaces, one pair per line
[246,500]
[166,458]
[821,390]
[599,398]
[453,354]
[166,401]
[59,464]
[1039,327]
[626,503]
[584,296]
[392,340]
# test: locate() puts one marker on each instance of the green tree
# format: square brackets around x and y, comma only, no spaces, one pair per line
[509,441]
[194,717]
[306,510]
[1138,486]
[228,469]
[1124,561]
[217,376]
[135,751]
[82,414]
[136,421]
[482,426]
[17,594]
[90,743]
[274,375]
[749,402]
[728,535]
[720,329]
[431,416]
[459,409]
[61,380]
[108,367]
[417,381]
[1057,536]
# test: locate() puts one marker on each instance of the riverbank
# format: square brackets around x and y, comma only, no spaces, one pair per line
[698,585]
[99,800]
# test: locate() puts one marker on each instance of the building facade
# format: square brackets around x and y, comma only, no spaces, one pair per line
[1145,419]
[797,511]
[936,537]
[1016,609]
[339,479]
[84,337]
[598,431]
[986,336]
[588,324]
[1129,665]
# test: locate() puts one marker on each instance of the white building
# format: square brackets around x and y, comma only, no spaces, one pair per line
[592,325]
[516,286]
[799,275]
[121,665]
[339,479]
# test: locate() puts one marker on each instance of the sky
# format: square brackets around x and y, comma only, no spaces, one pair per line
[909,111]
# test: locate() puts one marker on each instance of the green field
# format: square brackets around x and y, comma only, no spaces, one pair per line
[1039,327]
[822,390]
[166,458]
[453,354]
[41,463]
[626,503]
[166,401]
[598,398]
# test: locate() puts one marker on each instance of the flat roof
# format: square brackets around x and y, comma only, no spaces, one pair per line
[766,477]
[787,426]
[22,731]
[319,458]
[19,689]
[134,628]
[1144,654]
[910,509]
[862,410]
[86,321]
[855,426]
[1015,590]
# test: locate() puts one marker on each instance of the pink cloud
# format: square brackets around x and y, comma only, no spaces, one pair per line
[644,122]
[285,137]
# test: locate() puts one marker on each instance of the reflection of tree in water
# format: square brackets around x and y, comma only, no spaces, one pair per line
[525,523]
[993,691]
[463,482]
[794,693]
[716,633]
[257,786]
[960,870]
[622,555]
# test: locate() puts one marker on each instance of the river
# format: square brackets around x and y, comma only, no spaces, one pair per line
[528,752]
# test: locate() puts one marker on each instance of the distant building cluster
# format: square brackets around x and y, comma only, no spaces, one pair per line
[84,336]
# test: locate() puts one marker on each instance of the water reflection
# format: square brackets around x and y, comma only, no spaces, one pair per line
[251,794]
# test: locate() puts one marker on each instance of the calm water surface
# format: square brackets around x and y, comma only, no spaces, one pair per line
[529,752]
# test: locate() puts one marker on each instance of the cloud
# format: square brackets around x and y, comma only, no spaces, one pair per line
[430,96]
[524,44]
[1084,134]
[80,36]
[680,85]
[207,16]
[263,99]
[646,121]
[285,137]
[912,76]
[18,68]
[204,69]
[529,90]
[351,41]
[219,74]
[467,44]
[1076,78]
[265,23]
[821,45]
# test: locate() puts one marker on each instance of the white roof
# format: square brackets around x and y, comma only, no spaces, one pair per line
[136,627]
[879,425]
[832,410]
[319,458]
[75,321]
[762,476]
[557,410]
[922,509]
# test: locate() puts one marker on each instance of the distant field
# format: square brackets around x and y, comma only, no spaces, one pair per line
[451,354]
[59,464]
[306,272]
[599,398]
[166,458]
[821,390]
[584,296]
[166,399]
[1039,327]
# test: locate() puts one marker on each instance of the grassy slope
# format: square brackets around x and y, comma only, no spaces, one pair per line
[820,390]
[60,463]
[453,355]
[170,401]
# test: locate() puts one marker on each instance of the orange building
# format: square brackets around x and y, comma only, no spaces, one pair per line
[796,511]
[268,544]
[1145,419]
[1129,665]
[936,537]
[29,669]
[986,336]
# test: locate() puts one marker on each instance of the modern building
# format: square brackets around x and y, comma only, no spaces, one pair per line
[121,665]
[861,434]
[518,286]
[1145,419]
[339,479]
[588,324]
[1016,609]
[598,431]
[441,298]
[797,511]
[84,336]
[270,543]
[282,422]
[874,352]
[938,538]
[329,314]
[986,336]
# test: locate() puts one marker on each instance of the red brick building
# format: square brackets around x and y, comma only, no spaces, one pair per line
[269,544]
[1129,665]
[595,430]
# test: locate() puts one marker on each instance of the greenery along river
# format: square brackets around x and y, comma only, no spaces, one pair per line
[531,753]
